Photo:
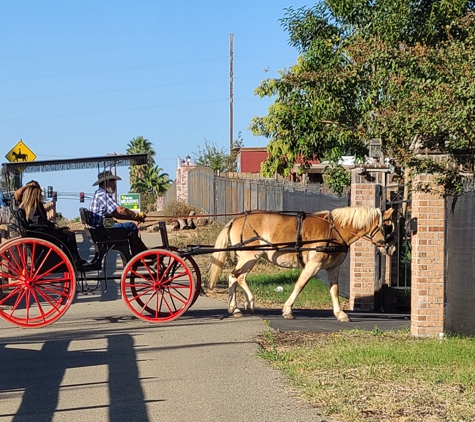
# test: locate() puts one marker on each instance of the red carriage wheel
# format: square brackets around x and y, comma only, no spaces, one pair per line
[195,270]
[39,282]
[157,285]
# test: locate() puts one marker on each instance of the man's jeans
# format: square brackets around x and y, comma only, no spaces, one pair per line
[129,226]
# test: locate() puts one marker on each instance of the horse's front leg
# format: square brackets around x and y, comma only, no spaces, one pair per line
[307,273]
[333,279]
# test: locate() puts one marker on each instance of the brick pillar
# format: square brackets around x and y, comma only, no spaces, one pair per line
[362,265]
[182,180]
[427,268]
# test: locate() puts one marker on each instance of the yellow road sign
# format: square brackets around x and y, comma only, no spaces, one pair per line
[20,152]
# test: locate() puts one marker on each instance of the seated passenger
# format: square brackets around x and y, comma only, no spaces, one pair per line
[30,199]
[102,203]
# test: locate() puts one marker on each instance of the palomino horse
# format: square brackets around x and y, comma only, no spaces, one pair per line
[309,241]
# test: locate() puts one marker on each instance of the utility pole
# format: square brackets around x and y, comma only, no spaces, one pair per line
[230,92]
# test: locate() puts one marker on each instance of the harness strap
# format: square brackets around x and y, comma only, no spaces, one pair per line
[300,217]
[257,235]
[333,227]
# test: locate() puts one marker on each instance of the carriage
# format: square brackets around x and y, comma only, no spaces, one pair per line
[39,281]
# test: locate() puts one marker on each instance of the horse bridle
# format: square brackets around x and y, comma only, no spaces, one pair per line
[388,235]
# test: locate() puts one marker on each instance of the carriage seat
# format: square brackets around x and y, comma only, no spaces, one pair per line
[38,231]
[27,229]
[105,239]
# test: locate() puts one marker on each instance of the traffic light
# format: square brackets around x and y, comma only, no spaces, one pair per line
[54,195]
[49,193]
[81,196]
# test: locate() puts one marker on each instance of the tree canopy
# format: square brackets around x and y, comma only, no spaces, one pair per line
[398,70]
[216,159]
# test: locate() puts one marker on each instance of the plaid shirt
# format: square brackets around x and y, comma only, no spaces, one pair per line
[101,203]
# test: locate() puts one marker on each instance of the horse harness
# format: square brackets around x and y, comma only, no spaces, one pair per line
[331,244]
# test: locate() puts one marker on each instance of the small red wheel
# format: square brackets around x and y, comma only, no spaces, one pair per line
[157,285]
[195,270]
[39,282]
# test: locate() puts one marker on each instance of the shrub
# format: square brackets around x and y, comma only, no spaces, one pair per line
[180,209]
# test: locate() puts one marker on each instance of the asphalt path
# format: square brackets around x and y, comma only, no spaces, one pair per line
[100,363]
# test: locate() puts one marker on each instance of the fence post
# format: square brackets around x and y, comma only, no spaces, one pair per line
[427,278]
[362,253]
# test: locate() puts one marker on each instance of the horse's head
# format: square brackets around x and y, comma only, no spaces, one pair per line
[383,233]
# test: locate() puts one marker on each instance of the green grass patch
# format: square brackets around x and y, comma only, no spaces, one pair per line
[315,295]
[378,376]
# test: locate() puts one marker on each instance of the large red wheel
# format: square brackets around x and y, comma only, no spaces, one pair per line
[195,270]
[157,285]
[38,282]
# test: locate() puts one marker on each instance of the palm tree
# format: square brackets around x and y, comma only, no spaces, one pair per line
[140,145]
[152,182]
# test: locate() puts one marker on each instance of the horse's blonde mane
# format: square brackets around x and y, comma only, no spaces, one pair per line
[359,217]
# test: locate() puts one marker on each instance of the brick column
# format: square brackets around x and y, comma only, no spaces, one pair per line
[428,244]
[182,180]
[362,252]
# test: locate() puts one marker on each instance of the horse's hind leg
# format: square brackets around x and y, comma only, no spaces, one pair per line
[246,261]
[333,274]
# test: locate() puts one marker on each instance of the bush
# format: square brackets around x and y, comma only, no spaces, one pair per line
[180,209]
[148,202]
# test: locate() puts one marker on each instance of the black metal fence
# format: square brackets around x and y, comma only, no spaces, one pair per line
[460,263]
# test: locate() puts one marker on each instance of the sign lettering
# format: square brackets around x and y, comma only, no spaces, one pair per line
[130,201]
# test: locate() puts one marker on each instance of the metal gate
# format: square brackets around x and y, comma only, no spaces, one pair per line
[392,285]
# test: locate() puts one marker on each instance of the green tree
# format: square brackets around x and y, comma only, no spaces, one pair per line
[153,182]
[218,160]
[402,71]
[136,146]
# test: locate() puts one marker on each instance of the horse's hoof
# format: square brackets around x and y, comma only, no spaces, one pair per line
[237,314]
[288,316]
[344,318]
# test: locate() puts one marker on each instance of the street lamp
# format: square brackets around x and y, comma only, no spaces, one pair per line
[375,148]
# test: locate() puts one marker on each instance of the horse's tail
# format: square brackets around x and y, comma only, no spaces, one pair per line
[218,258]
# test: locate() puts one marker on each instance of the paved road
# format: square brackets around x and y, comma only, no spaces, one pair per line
[99,363]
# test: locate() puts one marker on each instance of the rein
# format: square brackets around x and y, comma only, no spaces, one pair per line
[300,217]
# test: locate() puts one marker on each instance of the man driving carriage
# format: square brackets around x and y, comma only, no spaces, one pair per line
[103,204]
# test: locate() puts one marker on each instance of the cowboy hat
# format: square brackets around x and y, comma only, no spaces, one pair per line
[104,176]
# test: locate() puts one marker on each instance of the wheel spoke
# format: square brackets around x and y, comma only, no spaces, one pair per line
[18,300]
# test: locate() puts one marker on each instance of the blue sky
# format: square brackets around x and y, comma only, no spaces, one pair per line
[83,78]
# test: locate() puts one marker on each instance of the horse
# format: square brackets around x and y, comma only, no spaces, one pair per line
[19,156]
[310,241]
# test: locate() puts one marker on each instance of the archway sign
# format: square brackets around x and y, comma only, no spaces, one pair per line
[20,153]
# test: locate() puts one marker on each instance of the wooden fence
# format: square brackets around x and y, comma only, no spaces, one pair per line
[230,195]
